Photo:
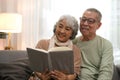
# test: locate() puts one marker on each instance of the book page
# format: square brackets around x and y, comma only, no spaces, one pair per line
[59,49]
[42,50]
[62,59]
[38,59]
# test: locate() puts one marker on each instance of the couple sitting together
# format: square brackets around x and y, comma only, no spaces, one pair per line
[93,55]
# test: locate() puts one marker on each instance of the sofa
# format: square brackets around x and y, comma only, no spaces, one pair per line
[116,74]
[14,65]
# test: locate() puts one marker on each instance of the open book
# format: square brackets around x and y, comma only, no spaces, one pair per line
[58,58]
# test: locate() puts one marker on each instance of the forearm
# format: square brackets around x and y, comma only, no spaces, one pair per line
[106,74]
[106,67]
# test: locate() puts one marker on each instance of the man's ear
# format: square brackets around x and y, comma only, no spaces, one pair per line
[99,25]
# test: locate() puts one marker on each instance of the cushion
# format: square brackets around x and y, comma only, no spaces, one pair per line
[14,65]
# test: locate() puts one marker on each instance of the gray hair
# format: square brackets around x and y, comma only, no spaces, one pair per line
[99,15]
[71,22]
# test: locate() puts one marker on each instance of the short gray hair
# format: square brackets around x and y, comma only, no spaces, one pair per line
[99,15]
[71,22]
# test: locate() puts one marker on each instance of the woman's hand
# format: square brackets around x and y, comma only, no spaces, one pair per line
[58,75]
[43,76]
[40,76]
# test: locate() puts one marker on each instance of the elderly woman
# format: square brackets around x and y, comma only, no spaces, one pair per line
[65,30]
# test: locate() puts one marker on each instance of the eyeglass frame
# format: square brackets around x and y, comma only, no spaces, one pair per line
[88,20]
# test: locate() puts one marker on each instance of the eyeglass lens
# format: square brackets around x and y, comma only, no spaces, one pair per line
[89,20]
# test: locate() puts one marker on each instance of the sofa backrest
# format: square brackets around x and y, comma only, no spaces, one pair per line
[116,74]
[14,65]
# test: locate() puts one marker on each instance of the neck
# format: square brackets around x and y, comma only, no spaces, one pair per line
[87,38]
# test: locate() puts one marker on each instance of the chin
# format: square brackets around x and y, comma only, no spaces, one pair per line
[61,40]
[85,34]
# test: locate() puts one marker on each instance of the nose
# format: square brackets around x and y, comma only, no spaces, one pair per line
[85,22]
[62,30]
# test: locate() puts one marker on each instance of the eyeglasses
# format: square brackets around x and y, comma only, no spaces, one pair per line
[89,20]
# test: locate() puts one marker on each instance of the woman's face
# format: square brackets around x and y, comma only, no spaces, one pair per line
[63,32]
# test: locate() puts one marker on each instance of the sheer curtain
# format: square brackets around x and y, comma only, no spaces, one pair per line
[31,11]
[35,22]
[115,29]
[39,17]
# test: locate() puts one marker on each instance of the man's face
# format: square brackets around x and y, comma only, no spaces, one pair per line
[89,23]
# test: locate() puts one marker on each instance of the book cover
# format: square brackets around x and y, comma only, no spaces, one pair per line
[58,58]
